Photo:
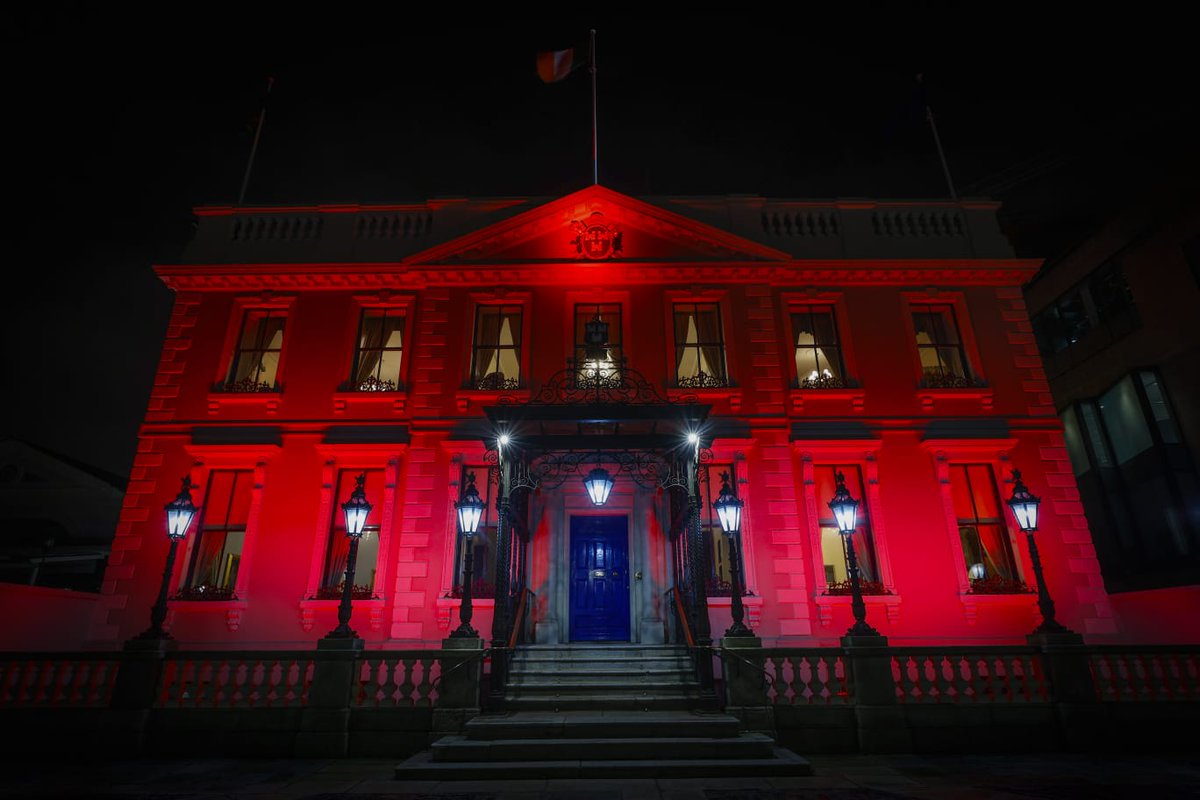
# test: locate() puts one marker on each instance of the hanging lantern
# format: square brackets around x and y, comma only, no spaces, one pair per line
[357,508]
[469,508]
[729,507]
[598,484]
[595,339]
[180,511]
[1023,504]
[845,507]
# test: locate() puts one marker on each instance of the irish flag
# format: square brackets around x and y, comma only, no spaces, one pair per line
[554,65]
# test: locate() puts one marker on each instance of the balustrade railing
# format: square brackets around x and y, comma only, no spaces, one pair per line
[975,675]
[394,678]
[268,679]
[1130,674]
[57,679]
[807,676]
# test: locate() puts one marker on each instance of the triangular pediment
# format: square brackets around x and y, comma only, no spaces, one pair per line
[596,224]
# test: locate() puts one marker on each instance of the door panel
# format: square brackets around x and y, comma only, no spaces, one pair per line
[599,579]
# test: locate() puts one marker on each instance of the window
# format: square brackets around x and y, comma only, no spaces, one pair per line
[217,551]
[255,364]
[819,360]
[496,352]
[833,547]
[1138,484]
[699,346]
[607,365]
[337,549]
[987,551]
[1101,302]
[483,543]
[720,576]
[380,350]
[939,344]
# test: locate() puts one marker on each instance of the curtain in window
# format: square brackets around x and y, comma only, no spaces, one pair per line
[370,342]
[708,328]
[335,560]
[208,559]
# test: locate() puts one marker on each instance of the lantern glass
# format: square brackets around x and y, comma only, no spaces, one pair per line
[729,507]
[844,507]
[598,484]
[180,512]
[356,509]
[1023,504]
[469,508]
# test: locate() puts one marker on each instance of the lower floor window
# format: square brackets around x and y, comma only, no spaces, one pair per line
[337,551]
[987,551]
[217,553]
[833,544]
[483,543]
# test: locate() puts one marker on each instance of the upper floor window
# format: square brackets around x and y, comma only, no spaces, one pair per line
[380,351]
[987,550]
[939,343]
[259,346]
[699,346]
[598,360]
[217,551]
[496,349]
[819,360]
[337,550]
[1102,301]
[833,545]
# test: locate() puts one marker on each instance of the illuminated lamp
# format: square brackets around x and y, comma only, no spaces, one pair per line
[729,512]
[356,510]
[1024,507]
[180,513]
[977,572]
[598,484]
[845,511]
[470,510]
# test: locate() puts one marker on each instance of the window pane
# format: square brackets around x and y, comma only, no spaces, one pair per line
[218,497]
[239,506]
[1159,408]
[393,332]
[833,555]
[823,329]
[1110,291]
[1074,440]
[270,367]
[389,366]
[1095,434]
[983,492]
[252,330]
[1124,422]
[960,490]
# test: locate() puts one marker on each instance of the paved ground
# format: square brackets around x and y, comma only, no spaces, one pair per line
[1060,777]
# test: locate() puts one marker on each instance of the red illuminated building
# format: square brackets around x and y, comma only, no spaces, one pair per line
[887,341]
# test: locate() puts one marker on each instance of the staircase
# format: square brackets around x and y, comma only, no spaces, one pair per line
[575,711]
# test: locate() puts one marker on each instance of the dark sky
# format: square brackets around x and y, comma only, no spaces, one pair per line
[118,122]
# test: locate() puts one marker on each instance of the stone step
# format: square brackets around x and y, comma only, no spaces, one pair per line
[781,763]
[611,651]
[605,701]
[460,748]
[600,662]
[597,724]
[601,678]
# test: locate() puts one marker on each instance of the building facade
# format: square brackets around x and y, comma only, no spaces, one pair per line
[1115,321]
[885,341]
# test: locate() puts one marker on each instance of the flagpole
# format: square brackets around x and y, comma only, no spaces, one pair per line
[595,146]
[937,141]
[254,147]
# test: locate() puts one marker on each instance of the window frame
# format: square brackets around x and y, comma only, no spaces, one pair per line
[863,454]
[831,306]
[519,348]
[242,308]
[501,297]
[337,458]
[199,531]
[363,304]
[696,301]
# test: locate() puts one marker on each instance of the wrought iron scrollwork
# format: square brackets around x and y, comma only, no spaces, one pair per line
[599,383]
[702,380]
[551,470]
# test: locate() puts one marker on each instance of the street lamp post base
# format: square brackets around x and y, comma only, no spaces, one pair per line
[464,631]
[341,643]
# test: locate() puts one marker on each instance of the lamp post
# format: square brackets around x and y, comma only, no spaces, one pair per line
[1024,507]
[729,512]
[470,511]
[845,511]
[180,512]
[356,510]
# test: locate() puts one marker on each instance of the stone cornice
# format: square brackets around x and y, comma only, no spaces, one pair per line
[393,275]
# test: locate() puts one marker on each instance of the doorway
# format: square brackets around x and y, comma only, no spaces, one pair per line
[599,595]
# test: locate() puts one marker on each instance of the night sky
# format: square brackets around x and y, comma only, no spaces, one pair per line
[118,122]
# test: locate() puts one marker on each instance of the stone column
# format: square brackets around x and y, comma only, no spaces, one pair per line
[746,684]
[325,722]
[882,727]
[459,688]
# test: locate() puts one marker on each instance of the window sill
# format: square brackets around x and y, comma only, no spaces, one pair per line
[465,398]
[854,396]
[732,394]
[971,602]
[928,397]
[397,399]
[231,608]
[752,603]
[268,400]
[309,609]
[826,603]
[447,609]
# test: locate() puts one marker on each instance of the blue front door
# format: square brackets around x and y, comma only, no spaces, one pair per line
[599,579]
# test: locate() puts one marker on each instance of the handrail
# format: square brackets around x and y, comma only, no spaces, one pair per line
[682,616]
[726,651]
[477,654]
[518,619]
